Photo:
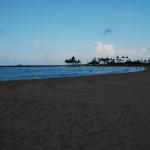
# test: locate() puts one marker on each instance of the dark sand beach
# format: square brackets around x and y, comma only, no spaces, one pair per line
[104,112]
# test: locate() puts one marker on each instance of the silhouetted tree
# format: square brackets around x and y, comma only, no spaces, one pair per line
[78,61]
[123,60]
[66,61]
[73,61]
[93,62]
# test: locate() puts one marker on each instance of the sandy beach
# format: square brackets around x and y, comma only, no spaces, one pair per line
[103,112]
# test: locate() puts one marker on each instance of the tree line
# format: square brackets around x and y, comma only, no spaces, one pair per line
[124,60]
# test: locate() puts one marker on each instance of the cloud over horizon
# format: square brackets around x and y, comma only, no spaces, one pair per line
[108,50]
[100,49]
[105,50]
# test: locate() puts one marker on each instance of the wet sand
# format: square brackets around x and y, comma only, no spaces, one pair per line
[105,112]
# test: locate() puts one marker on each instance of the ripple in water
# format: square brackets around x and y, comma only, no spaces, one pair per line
[27,73]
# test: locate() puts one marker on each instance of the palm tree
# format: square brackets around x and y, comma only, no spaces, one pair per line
[78,62]
[123,57]
[94,62]
[118,59]
[99,60]
[107,60]
[112,61]
[72,61]
[66,61]
[103,60]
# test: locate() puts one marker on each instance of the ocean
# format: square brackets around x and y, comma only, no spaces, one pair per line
[28,73]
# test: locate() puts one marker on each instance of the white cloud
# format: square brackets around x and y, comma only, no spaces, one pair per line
[48,57]
[105,50]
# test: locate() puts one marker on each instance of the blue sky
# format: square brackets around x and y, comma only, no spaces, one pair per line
[48,31]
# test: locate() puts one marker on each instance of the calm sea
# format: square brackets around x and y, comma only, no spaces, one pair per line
[27,73]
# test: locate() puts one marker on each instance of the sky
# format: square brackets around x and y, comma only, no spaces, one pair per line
[49,31]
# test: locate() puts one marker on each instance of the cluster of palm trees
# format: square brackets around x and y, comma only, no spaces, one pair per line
[124,60]
[72,61]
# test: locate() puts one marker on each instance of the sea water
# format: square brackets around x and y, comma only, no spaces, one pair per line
[27,73]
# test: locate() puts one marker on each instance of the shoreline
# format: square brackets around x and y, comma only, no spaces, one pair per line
[89,112]
[72,76]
